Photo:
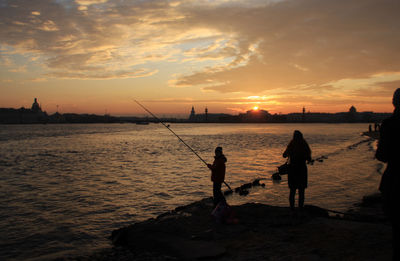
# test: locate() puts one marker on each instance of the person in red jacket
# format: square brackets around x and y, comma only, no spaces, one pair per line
[218,175]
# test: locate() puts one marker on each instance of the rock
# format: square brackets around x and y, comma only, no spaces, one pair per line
[228,192]
[196,249]
[243,192]
[276,176]
[246,186]
[316,211]
[261,232]
[372,199]
[256,182]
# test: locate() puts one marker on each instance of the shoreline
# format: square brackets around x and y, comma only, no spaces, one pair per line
[262,232]
[372,134]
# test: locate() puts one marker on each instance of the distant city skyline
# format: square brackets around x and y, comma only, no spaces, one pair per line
[193,113]
[96,56]
[35,115]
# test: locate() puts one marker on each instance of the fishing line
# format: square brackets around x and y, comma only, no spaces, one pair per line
[167,126]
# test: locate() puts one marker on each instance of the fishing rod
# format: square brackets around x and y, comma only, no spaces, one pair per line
[167,126]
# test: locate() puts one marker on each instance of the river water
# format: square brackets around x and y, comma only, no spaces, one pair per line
[64,188]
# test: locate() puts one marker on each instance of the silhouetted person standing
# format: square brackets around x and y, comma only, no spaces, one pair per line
[218,175]
[389,152]
[298,152]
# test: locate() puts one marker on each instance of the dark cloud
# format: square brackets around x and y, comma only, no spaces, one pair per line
[307,42]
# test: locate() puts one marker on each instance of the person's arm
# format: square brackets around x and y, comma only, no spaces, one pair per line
[289,150]
[309,159]
[286,152]
[213,166]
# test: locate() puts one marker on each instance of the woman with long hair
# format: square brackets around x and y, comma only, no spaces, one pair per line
[298,152]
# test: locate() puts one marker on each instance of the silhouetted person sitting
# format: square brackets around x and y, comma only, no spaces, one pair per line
[218,175]
[388,151]
[298,152]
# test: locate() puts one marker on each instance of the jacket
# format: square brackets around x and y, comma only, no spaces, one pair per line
[218,169]
[298,152]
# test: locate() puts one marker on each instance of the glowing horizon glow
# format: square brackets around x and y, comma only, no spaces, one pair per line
[92,56]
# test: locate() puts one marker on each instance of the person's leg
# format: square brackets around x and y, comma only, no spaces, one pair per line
[394,218]
[301,197]
[291,197]
[396,240]
[217,194]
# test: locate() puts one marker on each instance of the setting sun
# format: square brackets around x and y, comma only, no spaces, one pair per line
[255,108]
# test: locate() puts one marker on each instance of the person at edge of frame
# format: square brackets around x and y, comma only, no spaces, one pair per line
[388,152]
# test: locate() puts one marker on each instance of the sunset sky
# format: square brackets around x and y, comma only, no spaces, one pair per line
[97,56]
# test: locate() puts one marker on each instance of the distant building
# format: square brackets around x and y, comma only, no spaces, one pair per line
[206,117]
[352,115]
[192,116]
[35,106]
[255,116]
[22,115]
[57,118]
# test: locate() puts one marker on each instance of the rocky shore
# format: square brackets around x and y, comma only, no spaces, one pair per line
[262,232]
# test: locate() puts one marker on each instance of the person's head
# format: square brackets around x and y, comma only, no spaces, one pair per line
[396,98]
[297,135]
[218,151]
